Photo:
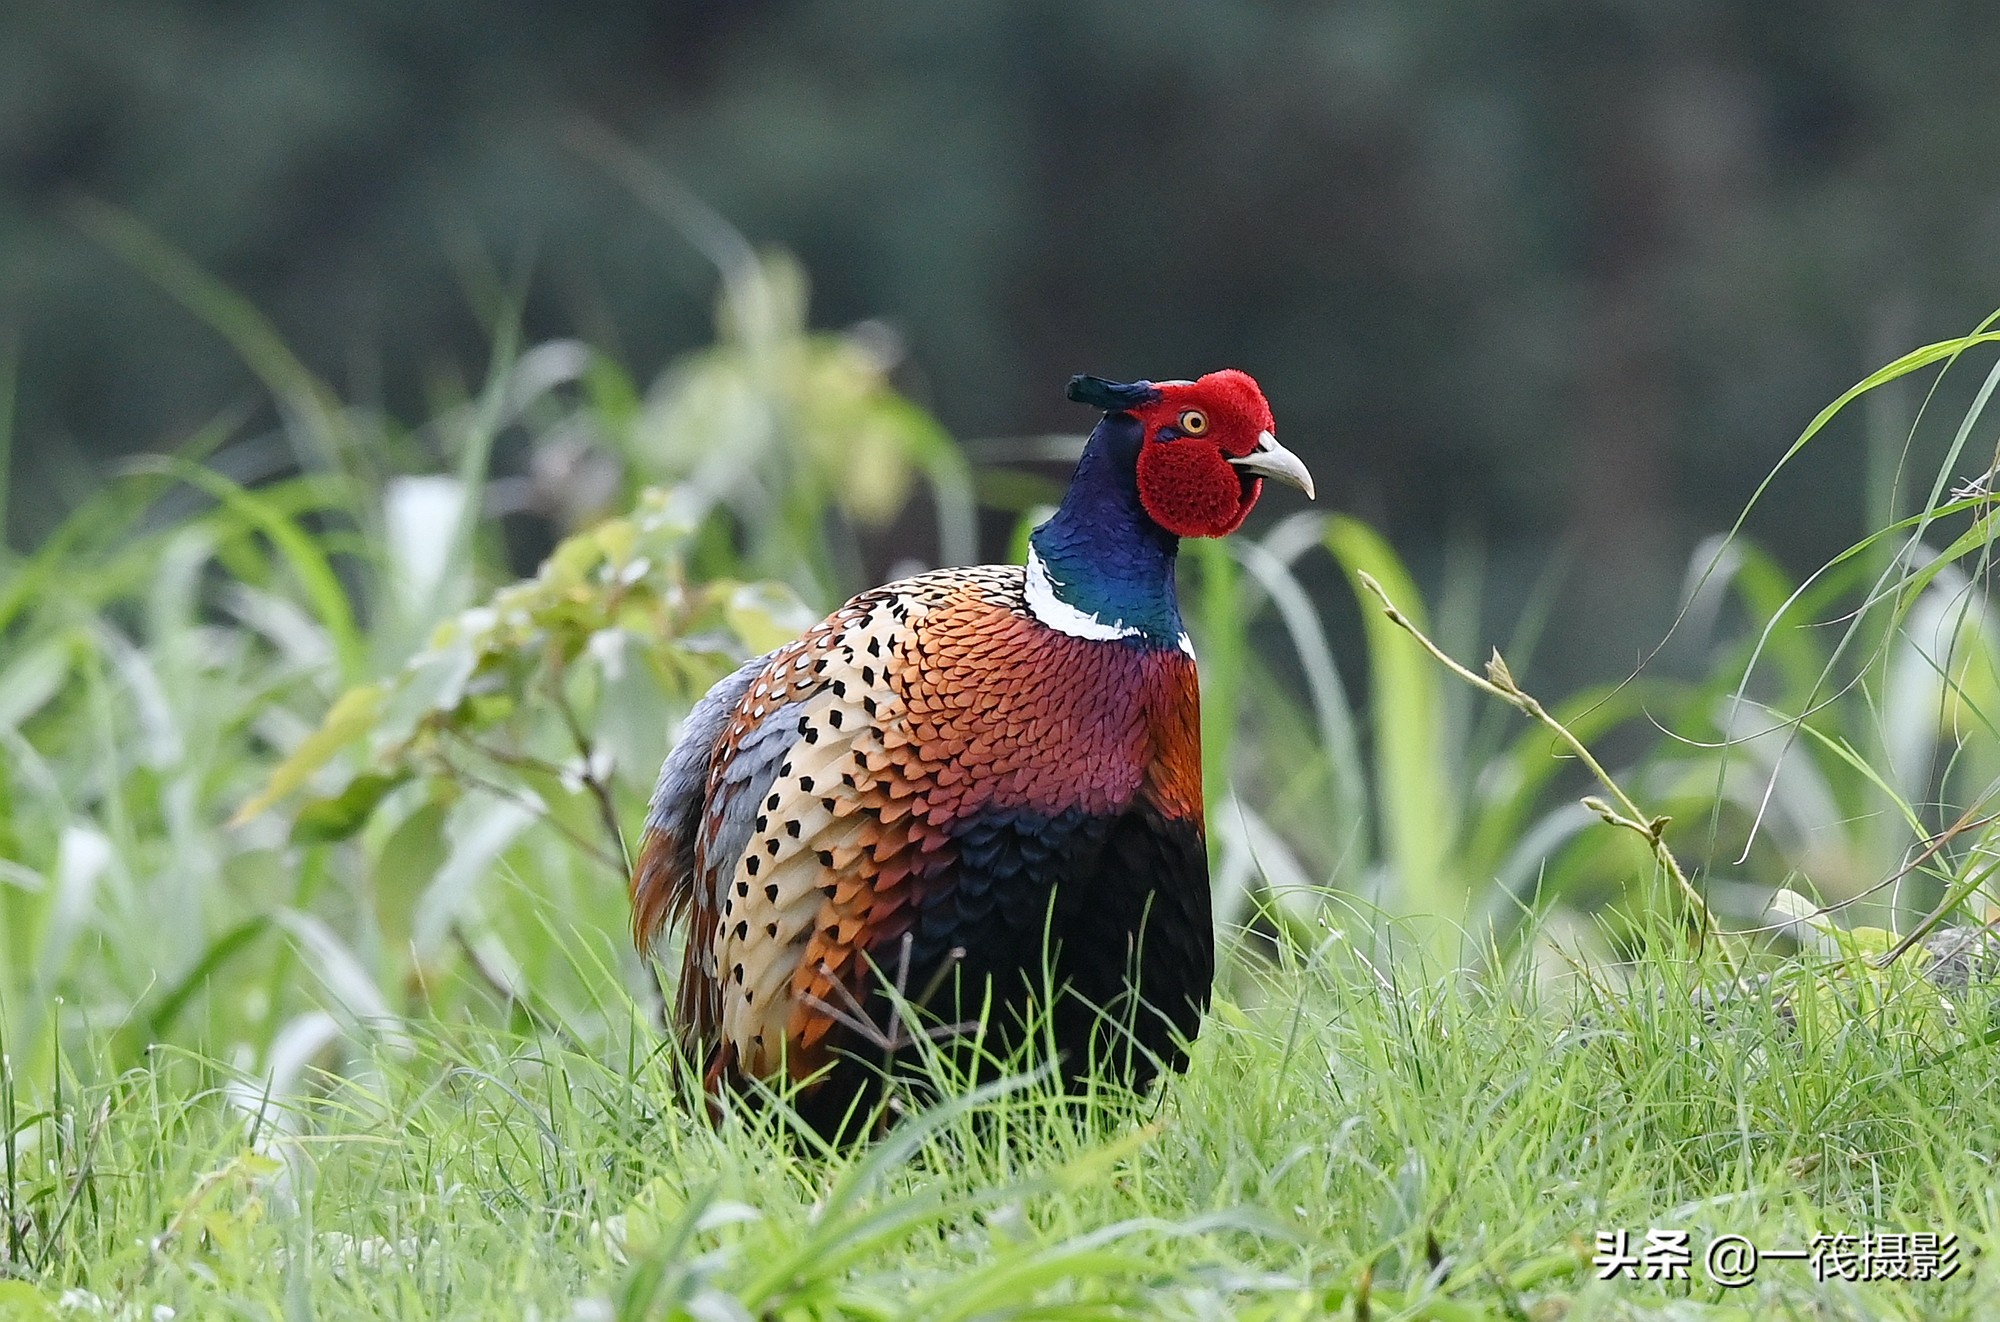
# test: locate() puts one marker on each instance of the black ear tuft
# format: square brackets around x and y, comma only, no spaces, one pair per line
[1111,396]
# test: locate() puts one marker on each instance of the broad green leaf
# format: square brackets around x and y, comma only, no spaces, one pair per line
[570,564]
[434,682]
[1873,943]
[617,540]
[324,821]
[351,718]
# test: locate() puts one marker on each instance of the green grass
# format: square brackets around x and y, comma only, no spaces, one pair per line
[316,997]
[1443,1150]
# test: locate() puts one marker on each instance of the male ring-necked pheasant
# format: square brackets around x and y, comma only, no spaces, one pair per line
[976,785]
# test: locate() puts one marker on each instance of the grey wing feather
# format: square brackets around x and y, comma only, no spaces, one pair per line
[663,881]
[745,782]
[676,805]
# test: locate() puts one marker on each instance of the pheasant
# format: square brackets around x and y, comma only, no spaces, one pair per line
[973,788]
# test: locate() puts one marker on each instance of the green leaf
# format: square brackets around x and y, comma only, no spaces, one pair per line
[352,717]
[1871,943]
[569,565]
[325,821]
[433,682]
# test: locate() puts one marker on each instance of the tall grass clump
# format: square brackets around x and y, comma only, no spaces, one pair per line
[1838,744]
[1841,757]
[453,756]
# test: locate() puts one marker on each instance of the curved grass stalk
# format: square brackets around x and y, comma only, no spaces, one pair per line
[1498,682]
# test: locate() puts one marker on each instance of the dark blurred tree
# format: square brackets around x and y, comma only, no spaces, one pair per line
[1574,264]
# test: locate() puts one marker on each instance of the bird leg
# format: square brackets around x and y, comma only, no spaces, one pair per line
[894,1033]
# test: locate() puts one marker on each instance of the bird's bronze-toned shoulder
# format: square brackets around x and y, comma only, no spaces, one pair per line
[1002,585]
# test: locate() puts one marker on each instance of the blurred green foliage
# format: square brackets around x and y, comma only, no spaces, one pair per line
[459,754]
[1574,267]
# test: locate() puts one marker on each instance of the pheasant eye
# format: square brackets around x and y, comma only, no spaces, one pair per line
[1193,422]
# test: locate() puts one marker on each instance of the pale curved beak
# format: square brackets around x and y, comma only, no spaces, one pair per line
[1274,461]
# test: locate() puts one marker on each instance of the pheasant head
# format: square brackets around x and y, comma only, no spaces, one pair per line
[1205,447]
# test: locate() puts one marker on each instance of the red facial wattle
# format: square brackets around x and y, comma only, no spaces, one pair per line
[1190,489]
[1207,446]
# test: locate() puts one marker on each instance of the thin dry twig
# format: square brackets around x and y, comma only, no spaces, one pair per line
[852,1015]
[1498,682]
[533,804]
[600,791]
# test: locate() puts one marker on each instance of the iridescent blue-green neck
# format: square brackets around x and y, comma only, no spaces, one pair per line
[1100,567]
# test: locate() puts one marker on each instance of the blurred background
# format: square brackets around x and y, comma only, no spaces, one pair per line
[1559,276]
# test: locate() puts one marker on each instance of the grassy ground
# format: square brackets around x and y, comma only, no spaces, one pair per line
[1340,1147]
[316,998]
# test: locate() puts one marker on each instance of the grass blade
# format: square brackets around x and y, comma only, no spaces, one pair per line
[1414,799]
